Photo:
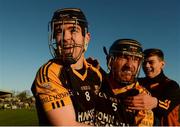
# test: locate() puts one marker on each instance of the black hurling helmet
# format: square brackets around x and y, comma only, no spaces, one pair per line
[125,47]
[66,16]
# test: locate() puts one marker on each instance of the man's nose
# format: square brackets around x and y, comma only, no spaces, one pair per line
[146,64]
[66,35]
[128,63]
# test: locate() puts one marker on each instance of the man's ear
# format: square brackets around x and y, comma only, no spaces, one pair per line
[163,64]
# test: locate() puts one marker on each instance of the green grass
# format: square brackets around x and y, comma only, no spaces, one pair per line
[19,117]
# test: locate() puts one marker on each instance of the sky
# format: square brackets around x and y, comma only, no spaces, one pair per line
[24,33]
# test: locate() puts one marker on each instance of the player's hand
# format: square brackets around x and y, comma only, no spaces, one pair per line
[94,62]
[141,102]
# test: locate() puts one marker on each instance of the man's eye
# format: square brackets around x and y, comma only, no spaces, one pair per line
[136,58]
[151,62]
[73,30]
[58,31]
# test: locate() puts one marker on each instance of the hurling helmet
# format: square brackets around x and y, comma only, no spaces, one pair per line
[126,46]
[66,16]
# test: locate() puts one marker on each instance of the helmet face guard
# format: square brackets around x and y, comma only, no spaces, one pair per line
[59,49]
[123,48]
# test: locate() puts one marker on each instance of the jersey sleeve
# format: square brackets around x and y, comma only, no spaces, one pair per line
[48,89]
[173,118]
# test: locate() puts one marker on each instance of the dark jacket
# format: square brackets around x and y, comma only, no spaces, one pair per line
[167,92]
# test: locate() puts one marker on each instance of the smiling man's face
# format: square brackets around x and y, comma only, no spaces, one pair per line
[152,66]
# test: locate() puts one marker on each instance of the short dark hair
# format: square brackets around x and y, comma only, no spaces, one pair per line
[154,52]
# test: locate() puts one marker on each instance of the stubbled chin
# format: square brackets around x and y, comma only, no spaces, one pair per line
[126,77]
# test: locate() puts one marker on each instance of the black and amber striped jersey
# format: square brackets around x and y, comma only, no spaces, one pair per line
[112,111]
[56,86]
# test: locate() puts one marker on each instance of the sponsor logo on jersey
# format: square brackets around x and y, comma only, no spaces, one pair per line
[105,118]
[50,98]
[86,116]
[85,88]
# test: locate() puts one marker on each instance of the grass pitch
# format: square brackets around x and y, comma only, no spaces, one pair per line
[18,117]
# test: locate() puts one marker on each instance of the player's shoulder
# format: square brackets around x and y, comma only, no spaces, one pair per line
[48,70]
[170,83]
[47,73]
[52,65]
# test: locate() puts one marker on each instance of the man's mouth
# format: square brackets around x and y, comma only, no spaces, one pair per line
[67,46]
[67,50]
[127,72]
[148,70]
